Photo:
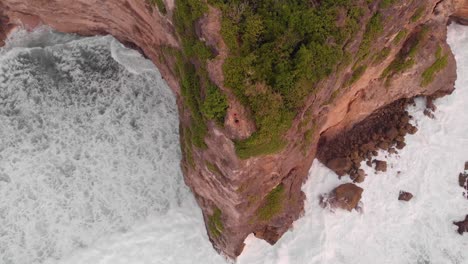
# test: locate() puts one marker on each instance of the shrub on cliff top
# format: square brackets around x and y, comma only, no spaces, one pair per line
[285,49]
[215,104]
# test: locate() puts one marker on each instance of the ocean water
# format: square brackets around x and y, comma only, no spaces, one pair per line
[89,171]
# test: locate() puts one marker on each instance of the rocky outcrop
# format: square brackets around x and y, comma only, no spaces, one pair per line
[461,12]
[462,226]
[233,193]
[345,196]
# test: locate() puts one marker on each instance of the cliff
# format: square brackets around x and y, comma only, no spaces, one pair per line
[240,192]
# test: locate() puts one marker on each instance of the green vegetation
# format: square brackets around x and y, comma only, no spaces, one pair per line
[381,56]
[215,104]
[201,97]
[308,137]
[273,204]
[215,225]
[373,30]
[405,58]
[358,72]
[400,36]
[214,169]
[418,14]
[159,4]
[387,3]
[429,74]
[278,53]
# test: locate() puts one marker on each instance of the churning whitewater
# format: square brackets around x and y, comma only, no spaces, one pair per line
[89,171]
[88,144]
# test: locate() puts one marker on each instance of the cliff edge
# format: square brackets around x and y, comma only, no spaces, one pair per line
[249,139]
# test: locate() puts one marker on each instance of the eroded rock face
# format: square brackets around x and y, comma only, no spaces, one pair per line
[240,188]
[461,12]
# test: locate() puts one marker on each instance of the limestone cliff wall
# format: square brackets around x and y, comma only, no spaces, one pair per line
[238,188]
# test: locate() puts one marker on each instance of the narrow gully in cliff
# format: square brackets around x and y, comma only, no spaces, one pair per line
[120,197]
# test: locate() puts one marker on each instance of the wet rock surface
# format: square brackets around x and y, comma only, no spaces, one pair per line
[405,196]
[345,196]
[384,130]
[462,225]
[463,180]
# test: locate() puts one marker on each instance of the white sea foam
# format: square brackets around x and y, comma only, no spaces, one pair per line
[88,146]
[44,186]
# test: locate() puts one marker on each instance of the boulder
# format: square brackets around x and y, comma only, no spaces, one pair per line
[392,133]
[345,196]
[405,196]
[462,226]
[463,179]
[358,176]
[400,144]
[385,145]
[340,166]
[411,129]
[466,165]
[380,165]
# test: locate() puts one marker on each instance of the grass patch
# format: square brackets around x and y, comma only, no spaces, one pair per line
[160,5]
[400,36]
[373,29]
[429,74]
[381,56]
[308,136]
[215,224]
[418,14]
[387,3]
[214,169]
[406,57]
[357,74]
[273,204]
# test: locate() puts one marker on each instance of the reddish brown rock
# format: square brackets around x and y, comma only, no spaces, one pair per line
[400,144]
[405,196]
[462,226]
[411,129]
[359,176]
[340,165]
[345,196]
[392,133]
[461,12]
[466,166]
[385,145]
[380,165]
